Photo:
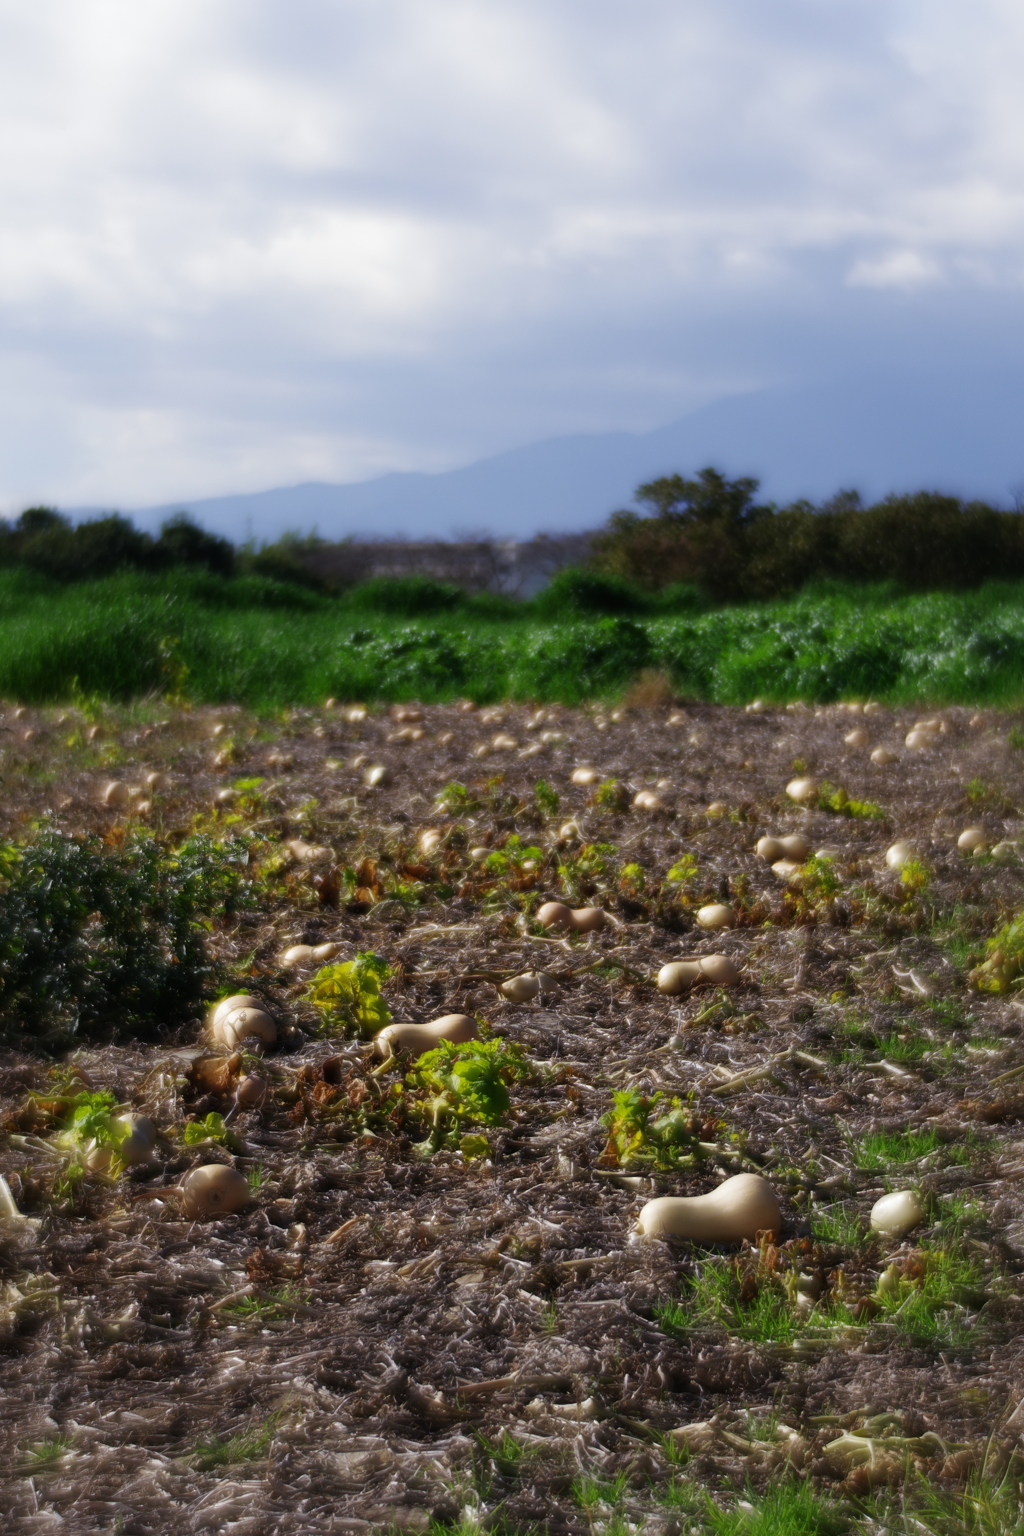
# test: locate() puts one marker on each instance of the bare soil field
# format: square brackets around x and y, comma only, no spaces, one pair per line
[435,1311]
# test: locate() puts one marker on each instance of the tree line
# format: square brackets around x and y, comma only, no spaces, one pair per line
[708,535]
[715,534]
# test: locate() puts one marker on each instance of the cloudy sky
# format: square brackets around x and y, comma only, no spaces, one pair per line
[245,243]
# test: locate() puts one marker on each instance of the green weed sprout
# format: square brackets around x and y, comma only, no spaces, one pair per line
[248,1445]
[197,1132]
[347,995]
[545,798]
[915,877]
[46,1452]
[611,796]
[790,1508]
[682,870]
[456,799]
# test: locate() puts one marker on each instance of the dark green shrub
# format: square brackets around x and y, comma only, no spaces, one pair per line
[576,592]
[405,596]
[291,559]
[182,542]
[683,597]
[101,943]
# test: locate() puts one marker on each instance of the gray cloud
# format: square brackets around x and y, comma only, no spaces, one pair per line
[246,244]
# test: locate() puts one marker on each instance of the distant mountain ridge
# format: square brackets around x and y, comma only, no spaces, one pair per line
[958,433]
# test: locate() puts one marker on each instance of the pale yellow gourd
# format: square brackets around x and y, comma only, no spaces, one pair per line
[117,793]
[417,1038]
[229,1004]
[648,800]
[524,988]
[678,976]
[212,1190]
[555,914]
[716,915]
[897,1213]
[770,849]
[251,1092]
[720,969]
[139,1139]
[298,954]
[589,919]
[739,1208]
[231,1029]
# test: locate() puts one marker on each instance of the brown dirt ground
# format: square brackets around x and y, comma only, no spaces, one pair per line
[466,1299]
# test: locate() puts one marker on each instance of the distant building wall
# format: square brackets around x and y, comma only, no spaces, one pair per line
[479,565]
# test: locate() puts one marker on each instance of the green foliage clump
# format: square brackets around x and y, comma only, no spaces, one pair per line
[915,877]
[456,799]
[659,1131]
[268,642]
[1004,962]
[408,596]
[466,1084]
[576,592]
[880,1150]
[545,798]
[47,542]
[197,1132]
[611,796]
[831,798]
[790,1508]
[347,995]
[580,872]
[744,1295]
[106,943]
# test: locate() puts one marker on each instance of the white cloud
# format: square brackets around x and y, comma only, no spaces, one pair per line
[243,243]
[896,269]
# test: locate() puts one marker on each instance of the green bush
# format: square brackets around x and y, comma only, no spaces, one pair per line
[577,592]
[101,943]
[405,596]
[43,540]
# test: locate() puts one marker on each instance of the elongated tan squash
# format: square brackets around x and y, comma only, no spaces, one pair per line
[740,1207]
[417,1038]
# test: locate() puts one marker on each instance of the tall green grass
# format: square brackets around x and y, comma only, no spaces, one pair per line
[266,644]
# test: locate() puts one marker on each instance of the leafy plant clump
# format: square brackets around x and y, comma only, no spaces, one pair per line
[834,798]
[658,1131]
[104,943]
[466,1084]
[347,995]
[1004,958]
